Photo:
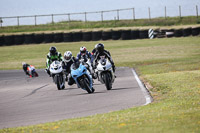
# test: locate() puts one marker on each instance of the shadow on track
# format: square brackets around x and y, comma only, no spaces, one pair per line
[34,91]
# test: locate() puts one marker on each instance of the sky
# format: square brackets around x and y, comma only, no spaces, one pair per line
[10,8]
[38,7]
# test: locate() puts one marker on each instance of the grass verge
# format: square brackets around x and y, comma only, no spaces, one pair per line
[170,66]
[90,25]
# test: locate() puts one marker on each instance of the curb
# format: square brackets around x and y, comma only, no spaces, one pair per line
[145,91]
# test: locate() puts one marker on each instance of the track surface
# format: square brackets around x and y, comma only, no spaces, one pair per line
[27,101]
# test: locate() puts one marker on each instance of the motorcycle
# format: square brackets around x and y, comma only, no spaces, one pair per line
[81,76]
[32,72]
[87,63]
[57,74]
[105,72]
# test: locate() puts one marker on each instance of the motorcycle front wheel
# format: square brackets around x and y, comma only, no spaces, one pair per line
[59,82]
[86,84]
[107,81]
[35,74]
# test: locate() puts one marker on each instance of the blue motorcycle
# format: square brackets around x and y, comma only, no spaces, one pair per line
[82,77]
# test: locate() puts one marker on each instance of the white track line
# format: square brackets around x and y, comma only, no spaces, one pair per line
[144,90]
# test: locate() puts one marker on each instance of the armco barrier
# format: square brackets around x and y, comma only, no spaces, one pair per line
[178,32]
[169,33]
[87,36]
[9,40]
[96,35]
[143,34]
[126,34]
[68,37]
[19,39]
[135,34]
[39,38]
[29,39]
[195,31]
[187,32]
[116,34]
[1,40]
[48,37]
[161,33]
[77,36]
[58,37]
[106,35]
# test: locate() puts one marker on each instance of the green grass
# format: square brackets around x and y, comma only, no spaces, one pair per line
[169,67]
[90,25]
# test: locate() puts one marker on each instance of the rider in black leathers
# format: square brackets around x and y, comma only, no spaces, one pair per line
[100,51]
[94,51]
[67,62]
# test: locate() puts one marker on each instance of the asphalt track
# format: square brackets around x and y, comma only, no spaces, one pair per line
[28,101]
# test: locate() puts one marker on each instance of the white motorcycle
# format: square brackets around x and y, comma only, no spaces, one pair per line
[105,72]
[57,74]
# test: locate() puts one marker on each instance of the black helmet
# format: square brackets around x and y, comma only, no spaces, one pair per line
[52,50]
[100,47]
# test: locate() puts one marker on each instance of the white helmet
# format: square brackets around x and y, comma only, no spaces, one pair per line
[83,49]
[67,56]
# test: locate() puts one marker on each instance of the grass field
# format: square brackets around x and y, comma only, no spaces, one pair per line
[91,25]
[169,67]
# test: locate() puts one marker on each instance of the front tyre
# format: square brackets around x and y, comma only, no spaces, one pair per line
[59,82]
[35,74]
[107,81]
[86,83]
[57,79]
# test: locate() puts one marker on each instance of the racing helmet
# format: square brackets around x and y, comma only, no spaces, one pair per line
[96,46]
[23,63]
[83,50]
[52,50]
[100,47]
[67,56]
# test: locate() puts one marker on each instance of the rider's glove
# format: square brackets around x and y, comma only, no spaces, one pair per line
[48,72]
[113,66]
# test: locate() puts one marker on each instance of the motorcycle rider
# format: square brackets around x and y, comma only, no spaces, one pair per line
[25,66]
[102,52]
[67,62]
[84,54]
[94,50]
[53,55]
